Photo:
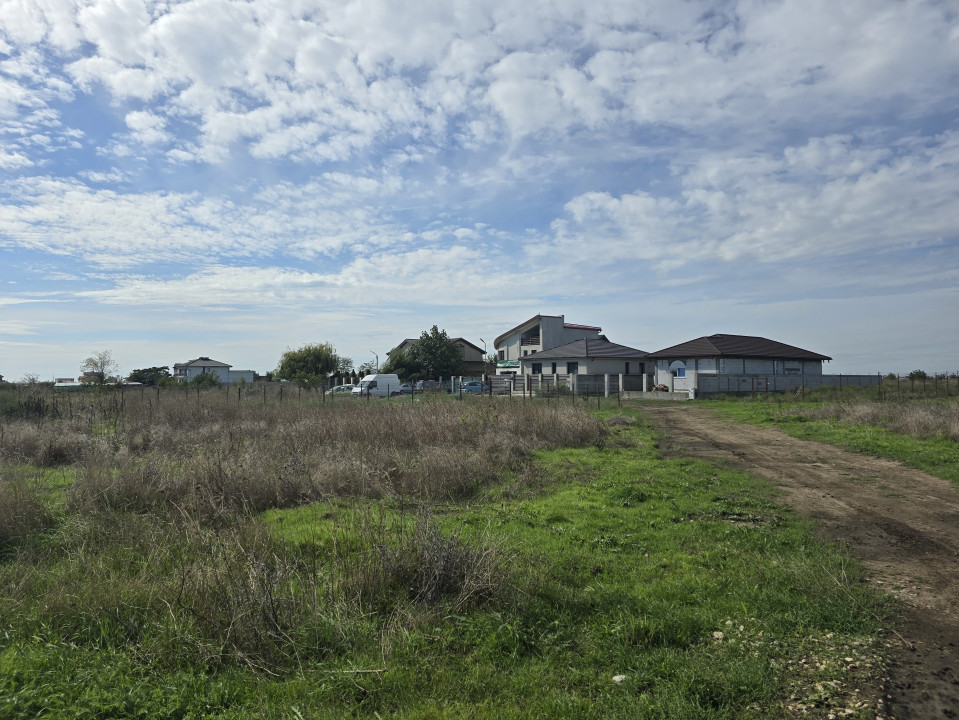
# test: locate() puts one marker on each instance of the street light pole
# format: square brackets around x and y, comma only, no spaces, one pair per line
[377,361]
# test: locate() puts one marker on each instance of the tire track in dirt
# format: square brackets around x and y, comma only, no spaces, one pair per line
[902,523]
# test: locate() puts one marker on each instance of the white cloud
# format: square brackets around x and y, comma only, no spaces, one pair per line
[13,160]
[487,154]
[147,127]
[113,229]
[834,196]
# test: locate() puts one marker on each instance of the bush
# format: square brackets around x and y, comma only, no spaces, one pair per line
[387,560]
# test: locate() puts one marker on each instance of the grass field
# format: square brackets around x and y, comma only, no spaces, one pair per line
[444,559]
[922,433]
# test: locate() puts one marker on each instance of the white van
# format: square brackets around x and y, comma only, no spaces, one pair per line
[379,385]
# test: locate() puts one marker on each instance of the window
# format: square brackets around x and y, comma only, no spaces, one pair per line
[502,354]
[627,369]
[525,353]
[677,368]
[679,372]
[553,368]
[537,368]
[572,368]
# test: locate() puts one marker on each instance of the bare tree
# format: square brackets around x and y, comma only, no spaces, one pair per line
[98,367]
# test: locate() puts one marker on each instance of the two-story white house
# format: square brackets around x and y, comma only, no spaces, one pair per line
[203,365]
[540,332]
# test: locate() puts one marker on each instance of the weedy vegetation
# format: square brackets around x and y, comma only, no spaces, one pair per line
[920,432]
[215,554]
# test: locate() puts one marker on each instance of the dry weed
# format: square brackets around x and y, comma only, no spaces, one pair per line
[213,458]
[921,419]
[22,512]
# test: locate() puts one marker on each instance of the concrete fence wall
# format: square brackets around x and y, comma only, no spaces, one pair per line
[580,384]
[748,384]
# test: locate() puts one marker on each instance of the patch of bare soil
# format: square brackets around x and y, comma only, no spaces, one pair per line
[902,523]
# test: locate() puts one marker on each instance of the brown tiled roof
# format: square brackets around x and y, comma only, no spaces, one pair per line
[587,349]
[737,346]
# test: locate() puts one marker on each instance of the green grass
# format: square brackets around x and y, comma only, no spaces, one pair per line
[686,582]
[935,455]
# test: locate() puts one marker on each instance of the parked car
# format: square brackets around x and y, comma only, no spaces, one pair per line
[429,386]
[475,386]
[341,389]
[404,389]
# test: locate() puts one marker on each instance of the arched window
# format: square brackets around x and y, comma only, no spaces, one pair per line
[677,368]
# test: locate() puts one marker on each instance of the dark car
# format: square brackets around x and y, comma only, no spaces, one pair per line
[475,387]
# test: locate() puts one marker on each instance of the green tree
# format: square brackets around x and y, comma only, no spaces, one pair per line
[207,379]
[367,368]
[98,367]
[311,365]
[437,355]
[917,375]
[404,364]
[158,375]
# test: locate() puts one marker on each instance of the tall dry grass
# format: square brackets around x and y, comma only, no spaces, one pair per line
[23,512]
[158,545]
[918,418]
[213,455]
[185,594]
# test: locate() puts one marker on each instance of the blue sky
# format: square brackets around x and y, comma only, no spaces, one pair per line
[209,177]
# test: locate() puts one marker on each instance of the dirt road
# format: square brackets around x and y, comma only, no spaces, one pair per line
[902,523]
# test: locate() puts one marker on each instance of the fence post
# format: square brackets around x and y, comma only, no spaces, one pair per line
[606,385]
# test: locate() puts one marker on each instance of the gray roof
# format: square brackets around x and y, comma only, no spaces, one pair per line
[737,346]
[203,361]
[587,349]
[458,340]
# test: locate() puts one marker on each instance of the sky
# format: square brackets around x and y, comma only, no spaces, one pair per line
[233,179]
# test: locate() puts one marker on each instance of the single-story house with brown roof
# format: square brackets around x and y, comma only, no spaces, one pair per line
[680,366]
